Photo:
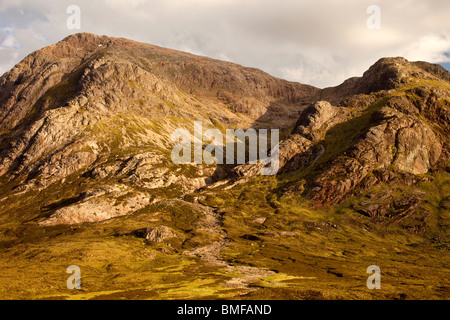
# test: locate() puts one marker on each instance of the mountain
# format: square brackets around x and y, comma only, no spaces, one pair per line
[87,179]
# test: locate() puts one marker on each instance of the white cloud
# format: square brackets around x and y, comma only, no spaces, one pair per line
[8,58]
[431,48]
[123,4]
[8,4]
[9,42]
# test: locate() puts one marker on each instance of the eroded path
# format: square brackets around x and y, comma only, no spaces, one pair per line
[211,253]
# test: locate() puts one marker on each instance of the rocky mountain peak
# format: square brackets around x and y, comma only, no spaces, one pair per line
[90,98]
[385,74]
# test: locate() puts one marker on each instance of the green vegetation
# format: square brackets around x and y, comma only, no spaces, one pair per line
[310,258]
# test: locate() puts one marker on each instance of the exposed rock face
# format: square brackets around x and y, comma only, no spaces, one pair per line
[157,234]
[395,139]
[317,119]
[103,204]
[104,108]
[100,111]
[384,207]
[397,131]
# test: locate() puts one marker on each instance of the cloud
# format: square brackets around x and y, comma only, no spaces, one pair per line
[5,5]
[9,42]
[122,4]
[431,48]
[317,42]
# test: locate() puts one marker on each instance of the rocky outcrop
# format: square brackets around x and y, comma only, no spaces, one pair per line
[313,123]
[394,139]
[390,210]
[155,234]
[317,119]
[385,74]
[399,136]
[98,205]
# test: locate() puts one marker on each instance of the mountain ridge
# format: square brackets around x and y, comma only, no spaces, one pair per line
[85,144]
[98,82]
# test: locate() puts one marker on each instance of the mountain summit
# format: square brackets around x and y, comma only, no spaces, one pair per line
[86,176]
[64,106]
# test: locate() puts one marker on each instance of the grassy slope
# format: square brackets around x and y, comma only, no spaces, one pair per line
[312,260]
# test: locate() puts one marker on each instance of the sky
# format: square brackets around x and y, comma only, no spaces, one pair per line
[318,42]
